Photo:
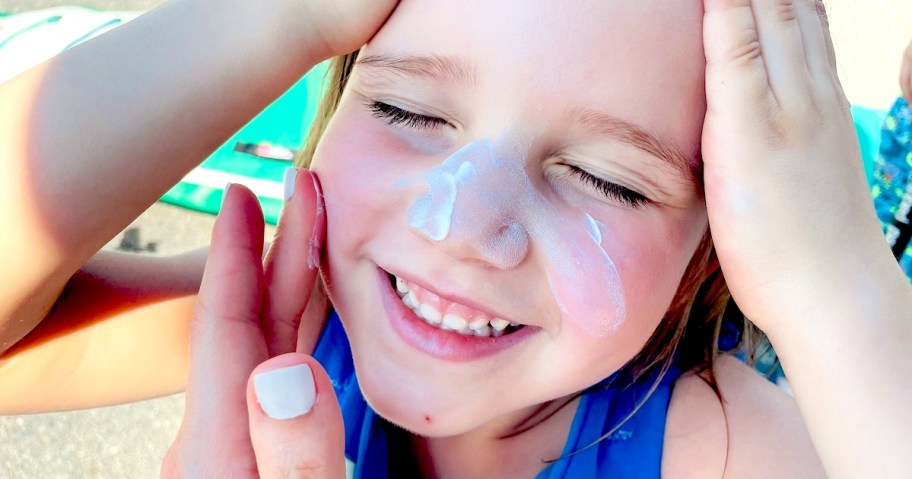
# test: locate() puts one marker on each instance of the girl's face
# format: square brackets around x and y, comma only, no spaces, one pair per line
[522,161]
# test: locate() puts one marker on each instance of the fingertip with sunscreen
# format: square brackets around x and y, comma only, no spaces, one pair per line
[316,238]
[315,243]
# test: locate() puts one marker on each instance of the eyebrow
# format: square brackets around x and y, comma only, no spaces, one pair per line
[624,131]
[433,67]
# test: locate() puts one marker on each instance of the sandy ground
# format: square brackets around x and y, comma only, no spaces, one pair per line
[128,441]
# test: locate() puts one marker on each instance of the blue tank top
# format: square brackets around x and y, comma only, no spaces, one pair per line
[632,451]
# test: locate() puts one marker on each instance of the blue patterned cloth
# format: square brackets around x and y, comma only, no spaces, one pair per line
[892,182]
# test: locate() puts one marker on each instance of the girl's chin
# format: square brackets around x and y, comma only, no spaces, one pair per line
[416,407]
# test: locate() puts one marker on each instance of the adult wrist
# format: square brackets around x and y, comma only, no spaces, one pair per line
[863,301]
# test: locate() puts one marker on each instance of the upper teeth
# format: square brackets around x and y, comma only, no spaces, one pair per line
[429,313]
[400,285]
[480,324]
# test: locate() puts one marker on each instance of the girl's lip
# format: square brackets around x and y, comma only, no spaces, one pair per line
[435,342]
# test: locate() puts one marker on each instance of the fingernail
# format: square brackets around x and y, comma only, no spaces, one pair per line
[225,194]
[286,393]
[313,259]
[290,175]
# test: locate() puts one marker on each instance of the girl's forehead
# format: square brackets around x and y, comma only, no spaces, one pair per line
[637,60]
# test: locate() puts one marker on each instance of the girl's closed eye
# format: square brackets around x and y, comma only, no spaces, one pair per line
[394,115]
[611,190]
[398,116]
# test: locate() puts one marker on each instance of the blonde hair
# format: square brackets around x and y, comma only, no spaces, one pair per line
[690,330]
[337,74]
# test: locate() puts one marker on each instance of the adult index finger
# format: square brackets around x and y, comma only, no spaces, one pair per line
[226,342]
[292,262]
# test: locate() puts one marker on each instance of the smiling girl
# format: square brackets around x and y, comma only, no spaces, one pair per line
[518,199]
[503,249]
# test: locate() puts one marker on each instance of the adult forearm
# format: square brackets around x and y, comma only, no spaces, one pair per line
[850,366]
[91,138]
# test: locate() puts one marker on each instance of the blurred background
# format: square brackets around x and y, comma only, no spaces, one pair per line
[129,441]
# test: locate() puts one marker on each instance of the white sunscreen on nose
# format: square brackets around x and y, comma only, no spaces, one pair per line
[483,194]
[432,213]
[476,193]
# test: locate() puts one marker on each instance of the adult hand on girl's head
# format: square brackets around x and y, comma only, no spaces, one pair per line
[788,203]
[905,74]
[246,414]
[344,26]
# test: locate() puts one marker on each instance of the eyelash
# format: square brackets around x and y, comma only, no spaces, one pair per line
[611,190]
[397,116]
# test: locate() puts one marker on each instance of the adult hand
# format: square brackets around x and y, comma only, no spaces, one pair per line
[905,74]
[346,25]
[248,415]
[788,204]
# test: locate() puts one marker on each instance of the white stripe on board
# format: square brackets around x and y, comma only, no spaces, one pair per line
[31,46]
[219,179]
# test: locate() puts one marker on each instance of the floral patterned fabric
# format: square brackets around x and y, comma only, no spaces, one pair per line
[892,182]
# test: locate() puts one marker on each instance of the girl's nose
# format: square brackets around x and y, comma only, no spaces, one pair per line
[474,207]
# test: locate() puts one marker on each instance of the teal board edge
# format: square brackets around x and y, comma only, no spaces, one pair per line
[868,126]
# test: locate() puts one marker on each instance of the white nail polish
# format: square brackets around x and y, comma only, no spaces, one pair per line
[287,392]
[290,175]
[225,194]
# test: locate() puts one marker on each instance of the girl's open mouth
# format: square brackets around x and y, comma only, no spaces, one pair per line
[450,315]
[442,327]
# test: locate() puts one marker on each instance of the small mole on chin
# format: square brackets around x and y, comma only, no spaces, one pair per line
[427,419]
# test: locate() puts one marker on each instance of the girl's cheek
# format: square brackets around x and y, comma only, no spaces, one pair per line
[624,275]
[363,169]
[652,260]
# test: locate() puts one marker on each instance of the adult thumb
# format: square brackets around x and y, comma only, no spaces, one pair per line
[295,422]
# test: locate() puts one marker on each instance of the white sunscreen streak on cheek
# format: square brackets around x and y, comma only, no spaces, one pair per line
[581,267]
[594,232]
[615,294]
